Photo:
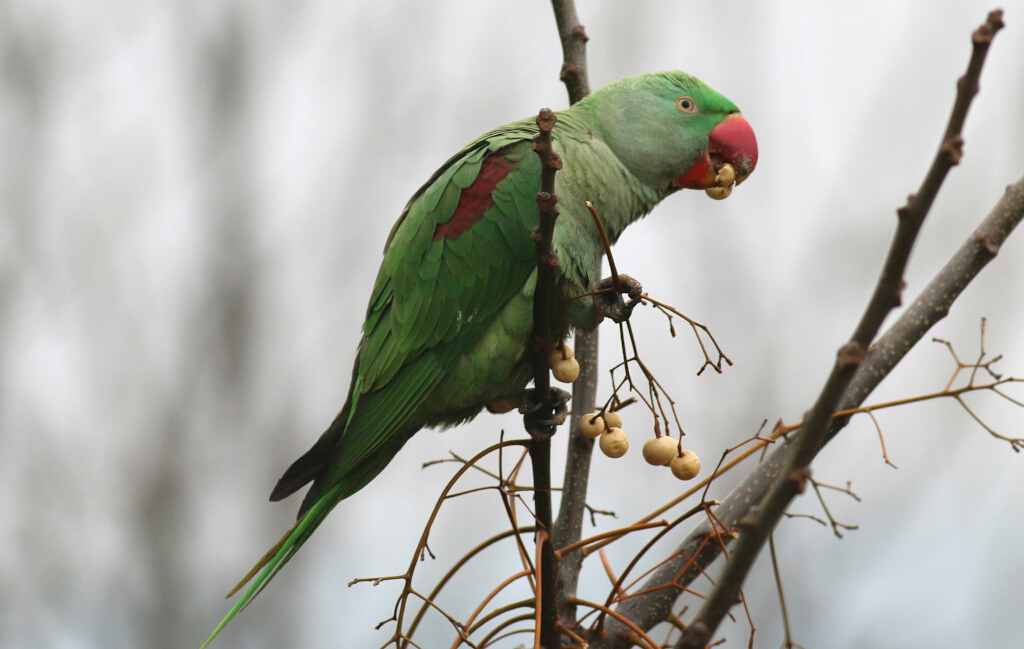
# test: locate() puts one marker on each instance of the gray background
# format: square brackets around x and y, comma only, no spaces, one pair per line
[193,200]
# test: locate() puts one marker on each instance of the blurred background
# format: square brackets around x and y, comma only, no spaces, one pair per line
[194,196]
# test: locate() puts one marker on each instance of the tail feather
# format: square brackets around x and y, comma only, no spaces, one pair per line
[271,553]
[314,461]
[278,556]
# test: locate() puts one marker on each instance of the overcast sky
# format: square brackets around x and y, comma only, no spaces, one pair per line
[193,201]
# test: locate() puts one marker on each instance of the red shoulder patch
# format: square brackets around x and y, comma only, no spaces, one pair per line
[475,199]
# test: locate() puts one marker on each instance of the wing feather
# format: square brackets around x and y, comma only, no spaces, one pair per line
[434,298]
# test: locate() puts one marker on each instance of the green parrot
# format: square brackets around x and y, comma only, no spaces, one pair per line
[449,321]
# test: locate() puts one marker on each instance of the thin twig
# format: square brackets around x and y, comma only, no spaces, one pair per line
[560,554]
[492,636]
[668,310]
[458,566]
[486,600]
[498,612]
[639,633]
[616,589]
[781,430]
[881,439]
[788,642]
[459,627]
[403,599]
[564,630]
[836,525]
[607,247]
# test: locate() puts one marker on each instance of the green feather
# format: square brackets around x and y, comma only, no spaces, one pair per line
[428,269]
[466,174]
[463,244]
[449,200]
[460,270]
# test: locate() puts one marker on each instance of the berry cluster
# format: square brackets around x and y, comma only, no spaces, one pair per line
[660,450]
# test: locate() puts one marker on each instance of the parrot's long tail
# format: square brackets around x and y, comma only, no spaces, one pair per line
[280,554]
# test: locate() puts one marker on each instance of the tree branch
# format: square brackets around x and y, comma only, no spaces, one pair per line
[758,524]
[572,510]
[855,375]
[568,528]
[931,306]
[537,420]
[574,50]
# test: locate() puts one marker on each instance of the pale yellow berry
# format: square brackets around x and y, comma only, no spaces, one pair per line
[686,466]
[555,354]
[726,175]
[591,425]
[659,451]
[566,371]
[613,419]
[719,193]
[614,443]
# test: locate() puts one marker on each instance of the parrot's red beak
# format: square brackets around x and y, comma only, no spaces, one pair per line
[733,142]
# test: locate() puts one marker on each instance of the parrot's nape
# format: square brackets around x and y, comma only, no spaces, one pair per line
[451,313]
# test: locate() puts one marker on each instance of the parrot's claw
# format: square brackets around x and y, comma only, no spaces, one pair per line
[531,408]
[609,302]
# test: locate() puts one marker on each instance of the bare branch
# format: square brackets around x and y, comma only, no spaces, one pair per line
[930,307]
[791,480]
[569,526]
[540,419]
[574,50]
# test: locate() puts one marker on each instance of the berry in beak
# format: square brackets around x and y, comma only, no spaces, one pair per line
[732,142]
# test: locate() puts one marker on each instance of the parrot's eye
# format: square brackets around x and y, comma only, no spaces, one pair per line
[686,105]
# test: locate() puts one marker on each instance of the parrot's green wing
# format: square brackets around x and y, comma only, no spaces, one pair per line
[459,252]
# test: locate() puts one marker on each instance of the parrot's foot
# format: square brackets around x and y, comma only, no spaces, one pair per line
[531,408]
[609,303]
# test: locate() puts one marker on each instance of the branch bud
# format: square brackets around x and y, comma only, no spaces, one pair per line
[546,120]
[850,355]
[986,31]
[953,148]
[546,202]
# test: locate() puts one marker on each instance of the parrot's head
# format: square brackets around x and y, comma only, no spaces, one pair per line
[672,131]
